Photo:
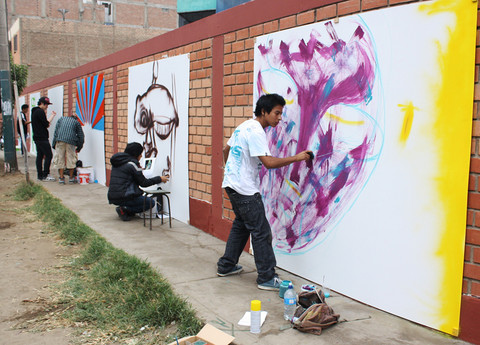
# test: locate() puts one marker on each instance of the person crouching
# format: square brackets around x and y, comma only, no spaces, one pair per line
[125,180]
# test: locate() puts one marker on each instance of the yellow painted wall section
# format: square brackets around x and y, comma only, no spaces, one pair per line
[454,113]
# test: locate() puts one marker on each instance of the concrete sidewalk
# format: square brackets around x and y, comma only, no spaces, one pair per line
[187,258]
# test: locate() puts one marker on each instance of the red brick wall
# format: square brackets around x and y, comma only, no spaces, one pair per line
[221,97]
[131,13]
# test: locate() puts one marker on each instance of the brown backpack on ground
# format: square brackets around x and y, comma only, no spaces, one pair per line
[313,314]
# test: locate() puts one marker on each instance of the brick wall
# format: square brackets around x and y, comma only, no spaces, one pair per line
[122,111]
[125,13]
[50,48]
[231,101]
[49,45]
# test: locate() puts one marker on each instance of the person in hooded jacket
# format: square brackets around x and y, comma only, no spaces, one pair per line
[125,182]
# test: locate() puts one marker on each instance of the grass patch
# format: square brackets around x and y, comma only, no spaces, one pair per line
[26,191]
[110,290]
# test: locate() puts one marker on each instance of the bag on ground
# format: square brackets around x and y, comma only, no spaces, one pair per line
[313,314]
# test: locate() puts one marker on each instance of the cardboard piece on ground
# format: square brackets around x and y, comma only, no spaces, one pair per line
[210,334]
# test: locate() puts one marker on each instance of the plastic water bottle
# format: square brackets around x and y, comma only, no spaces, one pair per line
[255,312]
[289,303]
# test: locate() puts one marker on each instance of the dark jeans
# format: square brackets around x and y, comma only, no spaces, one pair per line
[44,150]
[21,143]
[136,205]
[249,219]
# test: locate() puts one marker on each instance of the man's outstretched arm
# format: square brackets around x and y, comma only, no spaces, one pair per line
[270,162]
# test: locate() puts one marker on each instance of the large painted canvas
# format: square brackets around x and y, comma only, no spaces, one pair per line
[158,119]
[384,100]
[90,109]
[56,98]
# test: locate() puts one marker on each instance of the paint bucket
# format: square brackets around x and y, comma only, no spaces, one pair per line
[84,178]
[85,175]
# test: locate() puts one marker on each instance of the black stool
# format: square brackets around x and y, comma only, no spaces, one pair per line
[157,193]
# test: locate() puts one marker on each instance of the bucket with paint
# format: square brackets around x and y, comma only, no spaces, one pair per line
[83,176]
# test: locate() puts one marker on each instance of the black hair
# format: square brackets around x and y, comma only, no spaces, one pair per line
[134,149]
[25,106]
[268,102]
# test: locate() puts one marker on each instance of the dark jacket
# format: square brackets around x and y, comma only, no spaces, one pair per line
[125,179]
[39,124]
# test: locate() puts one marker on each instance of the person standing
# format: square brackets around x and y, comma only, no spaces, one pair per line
[40,125]
[125,179]
[68,140]
[22,121]
[244,154]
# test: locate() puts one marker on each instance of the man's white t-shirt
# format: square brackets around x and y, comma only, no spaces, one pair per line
[247,143]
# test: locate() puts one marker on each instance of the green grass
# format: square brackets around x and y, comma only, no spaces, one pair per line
[26,191]
[109,289]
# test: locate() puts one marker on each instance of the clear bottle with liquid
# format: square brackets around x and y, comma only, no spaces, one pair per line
[289,303]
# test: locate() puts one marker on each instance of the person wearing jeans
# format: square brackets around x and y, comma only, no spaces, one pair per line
[40,125]
[244,154]
[125,180]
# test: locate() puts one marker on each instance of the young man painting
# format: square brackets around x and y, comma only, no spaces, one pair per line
[246,151]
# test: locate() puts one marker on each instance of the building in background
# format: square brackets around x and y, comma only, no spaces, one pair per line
[193,10]
[54,36]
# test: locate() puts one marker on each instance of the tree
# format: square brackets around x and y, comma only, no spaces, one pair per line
[18,73]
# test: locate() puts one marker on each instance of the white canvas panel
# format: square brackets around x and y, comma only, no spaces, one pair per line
[33,100]
[158,93]
[371,217]
[56,98]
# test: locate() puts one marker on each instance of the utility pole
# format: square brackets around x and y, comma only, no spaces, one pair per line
[6,93]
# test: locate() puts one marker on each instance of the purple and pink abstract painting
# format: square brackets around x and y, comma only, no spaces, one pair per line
[384,100]
[333,108]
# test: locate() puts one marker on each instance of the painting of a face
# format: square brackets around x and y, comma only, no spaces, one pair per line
[155,116]
[158,119]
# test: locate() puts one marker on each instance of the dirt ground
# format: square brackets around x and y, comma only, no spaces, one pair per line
[32,261]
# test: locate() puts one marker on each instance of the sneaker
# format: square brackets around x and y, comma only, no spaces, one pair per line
[235,270]
[72,181]
[273,284]
[49,178]
[122,214]
[61,180]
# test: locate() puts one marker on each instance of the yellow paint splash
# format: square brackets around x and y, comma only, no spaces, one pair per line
[341,120]
[293,187]
[453,105]
[287,101]
[409,110]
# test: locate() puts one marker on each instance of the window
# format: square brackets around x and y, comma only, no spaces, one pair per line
[108,11]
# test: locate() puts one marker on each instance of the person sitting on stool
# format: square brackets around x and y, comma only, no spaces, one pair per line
[125,179]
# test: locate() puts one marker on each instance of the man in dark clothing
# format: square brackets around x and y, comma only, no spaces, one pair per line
[125,179]
[22,121]
[40,137]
